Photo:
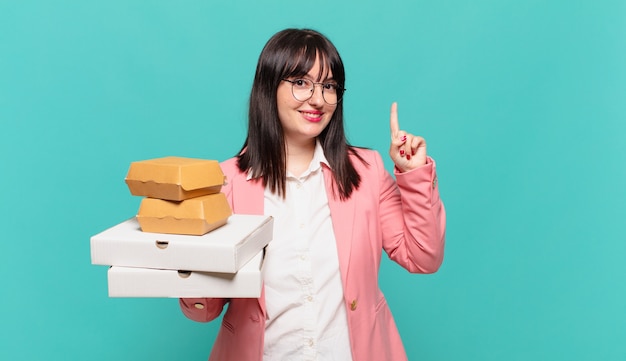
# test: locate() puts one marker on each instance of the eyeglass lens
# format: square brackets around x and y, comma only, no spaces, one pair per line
[303,90]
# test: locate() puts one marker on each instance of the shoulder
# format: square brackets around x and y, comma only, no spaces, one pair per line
[364,159]
[230,166]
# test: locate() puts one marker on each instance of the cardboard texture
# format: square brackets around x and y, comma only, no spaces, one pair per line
[225,249]
[195,216]
[144,282]
[174,178]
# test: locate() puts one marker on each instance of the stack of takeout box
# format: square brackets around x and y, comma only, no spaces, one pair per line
[184,241]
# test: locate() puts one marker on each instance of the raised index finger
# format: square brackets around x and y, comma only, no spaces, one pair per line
[393,120]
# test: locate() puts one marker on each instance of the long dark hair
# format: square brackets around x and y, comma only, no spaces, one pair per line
[292,53]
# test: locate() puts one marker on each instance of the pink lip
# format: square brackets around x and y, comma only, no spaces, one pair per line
[312,115]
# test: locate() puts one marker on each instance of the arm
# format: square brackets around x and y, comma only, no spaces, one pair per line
[413,218]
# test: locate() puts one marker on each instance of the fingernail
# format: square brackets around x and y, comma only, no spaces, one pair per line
[408,157]
[403,138]
[402,152]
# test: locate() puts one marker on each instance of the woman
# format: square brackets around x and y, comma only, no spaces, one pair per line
[335,209]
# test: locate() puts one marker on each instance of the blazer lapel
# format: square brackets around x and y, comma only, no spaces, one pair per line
[342,215]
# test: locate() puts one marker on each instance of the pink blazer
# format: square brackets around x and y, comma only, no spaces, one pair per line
[405,217]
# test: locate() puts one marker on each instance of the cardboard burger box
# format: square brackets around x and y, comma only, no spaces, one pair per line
[174,178]
[225,249]
[144,282]
[195,216]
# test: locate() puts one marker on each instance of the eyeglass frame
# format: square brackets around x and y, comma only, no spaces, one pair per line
[340,90]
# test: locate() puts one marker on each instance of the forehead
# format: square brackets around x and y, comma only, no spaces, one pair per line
[320,70]
[310,63]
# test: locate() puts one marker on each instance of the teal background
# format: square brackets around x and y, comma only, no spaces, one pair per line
[523,105]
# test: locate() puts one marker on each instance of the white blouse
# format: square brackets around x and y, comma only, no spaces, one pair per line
[303,291]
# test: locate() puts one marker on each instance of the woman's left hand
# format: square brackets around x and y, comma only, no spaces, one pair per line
[407,151]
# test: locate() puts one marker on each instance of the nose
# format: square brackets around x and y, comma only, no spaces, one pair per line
[317,98]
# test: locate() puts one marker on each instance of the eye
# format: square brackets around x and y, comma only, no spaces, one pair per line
[302,83]
[331,87]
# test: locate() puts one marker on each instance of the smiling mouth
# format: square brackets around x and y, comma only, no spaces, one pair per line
[312,116]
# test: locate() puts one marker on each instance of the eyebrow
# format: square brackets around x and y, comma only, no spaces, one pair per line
[308,77]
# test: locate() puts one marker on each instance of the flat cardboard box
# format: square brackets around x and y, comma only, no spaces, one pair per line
[195,216]
[174,178]
[225,249]
[145,282]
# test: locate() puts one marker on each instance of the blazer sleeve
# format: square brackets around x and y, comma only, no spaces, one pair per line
[413,218]
[202,309]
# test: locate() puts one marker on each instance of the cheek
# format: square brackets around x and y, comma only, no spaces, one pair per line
[330,111]
[282,116]
[283,96]
[283,108]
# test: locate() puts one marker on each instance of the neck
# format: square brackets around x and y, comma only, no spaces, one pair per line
[299,156]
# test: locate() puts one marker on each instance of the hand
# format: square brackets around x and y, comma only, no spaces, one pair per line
[407,151]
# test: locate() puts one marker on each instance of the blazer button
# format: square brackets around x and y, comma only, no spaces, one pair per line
[199,306]
[435,182]
[353,305]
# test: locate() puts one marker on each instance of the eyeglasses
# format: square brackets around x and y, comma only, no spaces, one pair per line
[302,90]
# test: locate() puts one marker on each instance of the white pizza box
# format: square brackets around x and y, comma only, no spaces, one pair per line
[225,249]
[146,282]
